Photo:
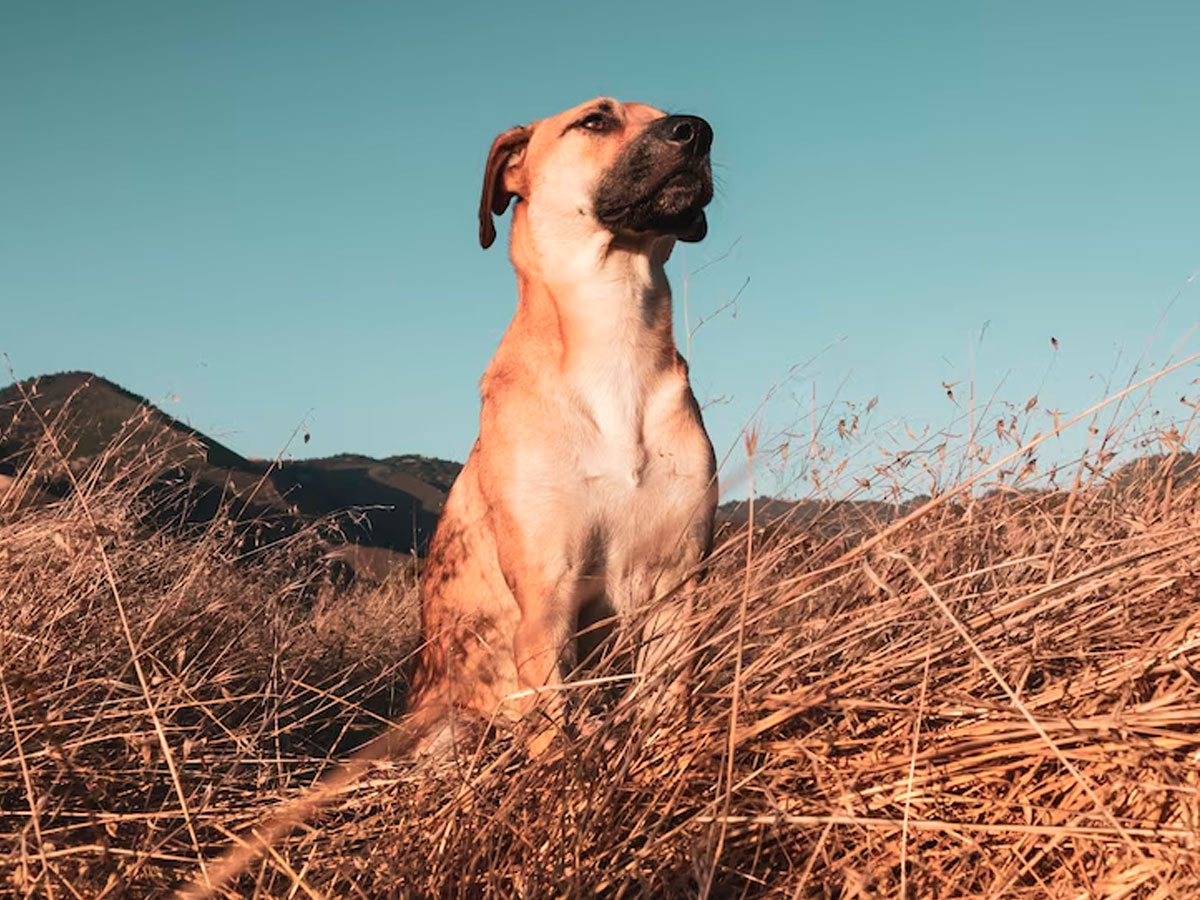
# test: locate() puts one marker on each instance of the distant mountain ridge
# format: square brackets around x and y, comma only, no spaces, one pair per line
[91,410]
[397,499]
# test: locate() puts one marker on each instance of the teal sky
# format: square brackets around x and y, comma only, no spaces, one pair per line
[267,209]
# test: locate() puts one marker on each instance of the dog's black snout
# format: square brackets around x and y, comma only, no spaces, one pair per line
[690,133]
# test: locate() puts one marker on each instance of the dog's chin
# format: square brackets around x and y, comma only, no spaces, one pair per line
[687,223]
[674,208]
[696,230]
[679,207]
[690,226]
[684,222]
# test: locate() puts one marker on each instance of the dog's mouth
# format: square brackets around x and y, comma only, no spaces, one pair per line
[682,199]
[673,204]
[658,186]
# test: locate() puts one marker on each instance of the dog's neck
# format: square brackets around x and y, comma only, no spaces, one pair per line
[599,297]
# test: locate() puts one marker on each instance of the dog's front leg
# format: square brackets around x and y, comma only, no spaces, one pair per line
[542,637]
[541,564]
[657,603]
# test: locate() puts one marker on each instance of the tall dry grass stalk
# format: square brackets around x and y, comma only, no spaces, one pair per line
[995,695]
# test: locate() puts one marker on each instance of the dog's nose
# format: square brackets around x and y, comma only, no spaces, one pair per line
[690,133]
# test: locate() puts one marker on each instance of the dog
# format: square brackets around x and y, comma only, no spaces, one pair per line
[592,476]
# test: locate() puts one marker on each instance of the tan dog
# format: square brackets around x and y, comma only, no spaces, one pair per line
[592,474]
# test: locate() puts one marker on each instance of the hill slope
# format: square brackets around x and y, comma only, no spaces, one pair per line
[397,499]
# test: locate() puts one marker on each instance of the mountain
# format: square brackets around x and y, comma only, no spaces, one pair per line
[88,412]
[396,501]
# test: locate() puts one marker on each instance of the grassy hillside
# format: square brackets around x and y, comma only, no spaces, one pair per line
[397,500]
[987,696]
[88,413]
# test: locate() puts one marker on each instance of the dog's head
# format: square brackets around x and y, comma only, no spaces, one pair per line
[625,168]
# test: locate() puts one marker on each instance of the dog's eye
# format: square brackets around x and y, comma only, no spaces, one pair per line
[597,122]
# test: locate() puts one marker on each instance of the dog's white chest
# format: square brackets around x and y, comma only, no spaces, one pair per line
[613,451]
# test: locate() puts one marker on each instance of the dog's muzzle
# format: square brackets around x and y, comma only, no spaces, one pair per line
[661,182]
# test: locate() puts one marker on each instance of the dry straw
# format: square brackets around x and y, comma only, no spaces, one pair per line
[994,695]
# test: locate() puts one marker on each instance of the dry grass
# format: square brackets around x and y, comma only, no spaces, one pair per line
[995,697]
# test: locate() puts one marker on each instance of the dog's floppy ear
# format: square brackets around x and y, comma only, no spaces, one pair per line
[499,179]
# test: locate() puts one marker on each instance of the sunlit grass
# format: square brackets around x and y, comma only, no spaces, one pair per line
[990,693]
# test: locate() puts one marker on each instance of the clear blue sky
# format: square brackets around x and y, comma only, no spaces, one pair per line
[267,209]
